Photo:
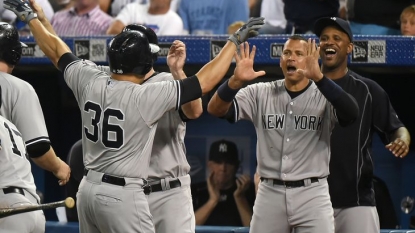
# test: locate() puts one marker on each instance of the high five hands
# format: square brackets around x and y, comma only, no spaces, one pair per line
[312,68]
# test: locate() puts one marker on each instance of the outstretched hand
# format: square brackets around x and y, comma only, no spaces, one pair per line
[244,70]
[177,55]
[21,8]
[312,69]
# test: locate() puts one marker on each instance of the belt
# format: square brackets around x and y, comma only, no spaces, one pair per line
[13,190]
[156,187]
[110,179]
[290,184]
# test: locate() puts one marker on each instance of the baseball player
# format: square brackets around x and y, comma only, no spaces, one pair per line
[168,173]
[351,166]
[120,118]
[20,105]
[17,186]
[293,118]
[169,170]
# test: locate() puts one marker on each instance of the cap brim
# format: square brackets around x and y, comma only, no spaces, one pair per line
[23,45]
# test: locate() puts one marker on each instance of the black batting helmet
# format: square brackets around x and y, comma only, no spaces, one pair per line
[10,45]
[150,34]
[130,52]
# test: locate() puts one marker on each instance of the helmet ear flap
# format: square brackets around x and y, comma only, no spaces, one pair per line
[12,56]
[10,45]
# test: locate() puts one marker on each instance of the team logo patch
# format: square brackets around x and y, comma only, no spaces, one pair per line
[276,50]
[373,51]
[32,50]
[94,49]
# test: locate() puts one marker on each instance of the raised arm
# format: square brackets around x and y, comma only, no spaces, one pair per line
[244,72]
[215,70]
[176,60]
[50,44]
[42,17]
[344,104]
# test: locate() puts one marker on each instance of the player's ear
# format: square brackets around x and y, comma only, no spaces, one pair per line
[350,48]
[210,165]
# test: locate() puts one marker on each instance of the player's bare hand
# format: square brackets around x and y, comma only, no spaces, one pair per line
[399,148]
[312,69]
[37,9]
[257,180]
[177,56]
[242,184]
[63,173]
[214,192]
[244,70]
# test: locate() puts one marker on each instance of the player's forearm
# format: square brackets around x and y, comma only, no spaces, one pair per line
[51,45]
[49,161]
[345,105]
[217,107]
[215,70]
[45,22]
[203,213]
[245,212]
[178,74]
[403,134]
[193,109]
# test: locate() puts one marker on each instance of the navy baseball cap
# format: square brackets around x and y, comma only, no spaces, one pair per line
[333,21]
[224,151]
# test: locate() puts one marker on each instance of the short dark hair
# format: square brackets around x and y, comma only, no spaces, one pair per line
[297,37]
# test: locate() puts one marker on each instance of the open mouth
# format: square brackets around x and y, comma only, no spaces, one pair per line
[291,69]
[330,53]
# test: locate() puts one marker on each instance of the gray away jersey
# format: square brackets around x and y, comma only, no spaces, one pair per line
[15,168]
[119,118]
[168,158]
[20,105]
[293,134]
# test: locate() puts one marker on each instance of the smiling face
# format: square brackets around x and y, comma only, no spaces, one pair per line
[293,58]
[335,46]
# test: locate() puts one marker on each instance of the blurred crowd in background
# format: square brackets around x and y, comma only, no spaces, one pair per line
[214,17]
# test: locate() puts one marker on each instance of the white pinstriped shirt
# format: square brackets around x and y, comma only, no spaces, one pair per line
[69,23]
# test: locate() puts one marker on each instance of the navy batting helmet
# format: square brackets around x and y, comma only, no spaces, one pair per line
[10,45]
[130,52]
[150,34]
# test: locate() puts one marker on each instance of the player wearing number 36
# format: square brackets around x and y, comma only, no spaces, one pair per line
[120,118]
[293,118]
